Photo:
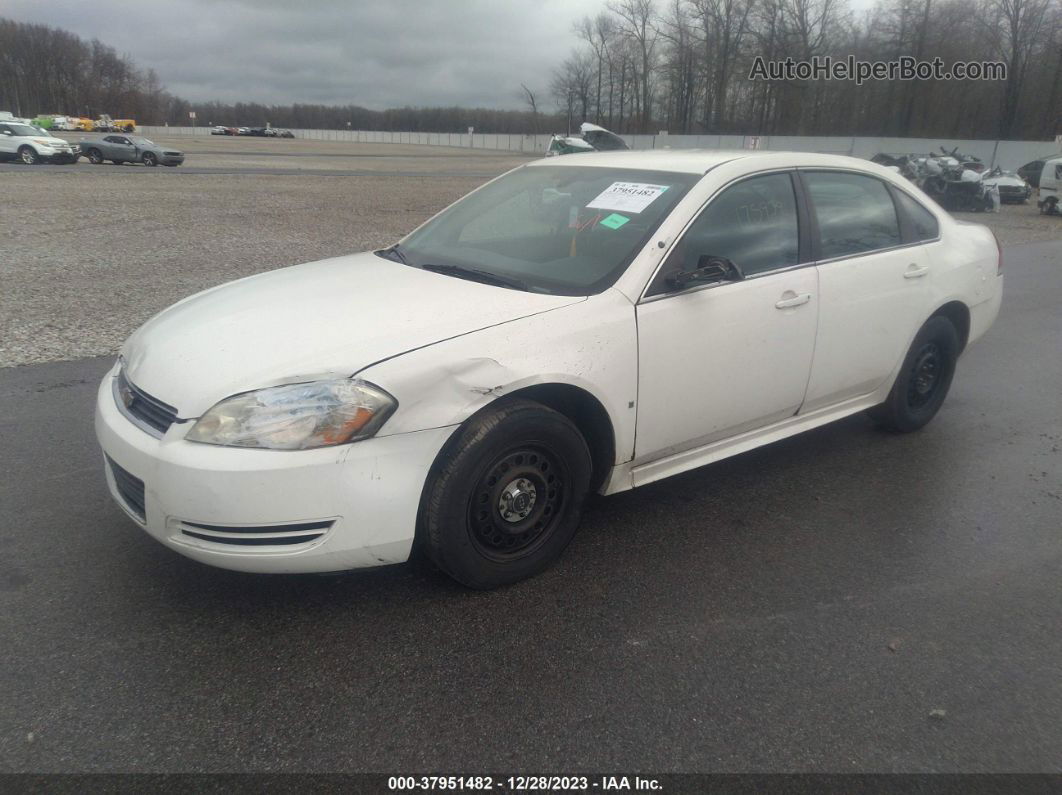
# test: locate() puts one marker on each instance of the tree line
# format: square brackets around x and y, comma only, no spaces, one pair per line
[640,66]
[684,66]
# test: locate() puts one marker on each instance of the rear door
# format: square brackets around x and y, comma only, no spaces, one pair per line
[873,282]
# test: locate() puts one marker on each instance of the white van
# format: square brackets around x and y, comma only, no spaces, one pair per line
[1050,187]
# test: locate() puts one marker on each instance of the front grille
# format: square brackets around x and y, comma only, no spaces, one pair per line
[1011,189]
[142,408]
[257,536]
[130,488]
[172,154]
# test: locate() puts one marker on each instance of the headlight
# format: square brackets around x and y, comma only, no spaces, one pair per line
[296,416]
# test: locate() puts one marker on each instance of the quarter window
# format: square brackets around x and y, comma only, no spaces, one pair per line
[923,222]
[753,224]
[855,213]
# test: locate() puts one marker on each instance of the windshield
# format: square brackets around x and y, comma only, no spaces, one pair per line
[25,129]
[566,230]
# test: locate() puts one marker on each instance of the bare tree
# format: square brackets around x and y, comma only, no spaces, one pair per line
[529,96]
[636,23]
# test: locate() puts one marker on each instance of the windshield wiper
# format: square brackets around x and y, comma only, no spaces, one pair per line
[477,275]
[393,253]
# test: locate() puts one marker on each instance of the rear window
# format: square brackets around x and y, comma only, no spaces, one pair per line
[922,221]
[855,213]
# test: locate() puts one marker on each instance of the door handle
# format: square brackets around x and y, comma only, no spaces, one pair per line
[915,272]
[792,299]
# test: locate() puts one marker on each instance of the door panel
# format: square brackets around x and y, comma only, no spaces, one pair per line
[722,360]
[871,307]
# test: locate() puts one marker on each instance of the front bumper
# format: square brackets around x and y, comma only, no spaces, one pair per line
[171,160]
[206,502]
[61,155]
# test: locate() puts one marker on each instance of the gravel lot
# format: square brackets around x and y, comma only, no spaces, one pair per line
[109,246]
[81,274]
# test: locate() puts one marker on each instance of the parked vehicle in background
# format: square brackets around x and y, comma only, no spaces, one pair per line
[1012,188]
[1031,171]
[106,124]
[578,325]
[129,149]
[243,130]
[591,138]
[1050,186]
[285,134]
[33,145]
[219,130]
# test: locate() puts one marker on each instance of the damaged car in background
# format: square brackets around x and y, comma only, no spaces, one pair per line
[1012,188]
[591,138]
[953,180]
[578,325]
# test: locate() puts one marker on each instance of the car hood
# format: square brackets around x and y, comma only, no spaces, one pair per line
[323,319]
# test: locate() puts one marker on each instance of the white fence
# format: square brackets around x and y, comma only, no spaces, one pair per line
[1009,154]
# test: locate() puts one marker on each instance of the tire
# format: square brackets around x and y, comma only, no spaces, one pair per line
[150,159]
[506,494]
[924,378]
[28,155]
[95,157]
[117,162]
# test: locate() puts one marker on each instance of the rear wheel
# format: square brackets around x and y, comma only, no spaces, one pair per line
[506,495]
[28,155]
[924,378]
[95,156]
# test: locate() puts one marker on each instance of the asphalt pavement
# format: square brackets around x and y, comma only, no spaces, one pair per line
[846,600]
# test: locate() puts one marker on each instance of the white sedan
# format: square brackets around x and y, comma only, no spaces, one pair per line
[590,323]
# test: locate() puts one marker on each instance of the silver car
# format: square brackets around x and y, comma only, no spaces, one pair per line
[120,148]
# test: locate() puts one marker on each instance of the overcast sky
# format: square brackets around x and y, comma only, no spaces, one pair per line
[374,53]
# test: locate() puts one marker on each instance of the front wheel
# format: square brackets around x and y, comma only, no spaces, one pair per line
[150,159]
[924,378]
[506,495]
[29,156]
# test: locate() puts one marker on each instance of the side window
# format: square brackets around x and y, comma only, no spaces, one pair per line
[4,130]
[925,225]
[855,213]
[752,223]
[111,139]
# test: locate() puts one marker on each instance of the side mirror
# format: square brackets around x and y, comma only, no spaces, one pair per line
[710,268]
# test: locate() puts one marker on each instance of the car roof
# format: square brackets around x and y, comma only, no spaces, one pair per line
[700,161]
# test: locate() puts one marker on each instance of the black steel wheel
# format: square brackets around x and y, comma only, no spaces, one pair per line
[505,496]
[924,378]
[518,503]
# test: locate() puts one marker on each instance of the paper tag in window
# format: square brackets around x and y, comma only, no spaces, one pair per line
[631,197]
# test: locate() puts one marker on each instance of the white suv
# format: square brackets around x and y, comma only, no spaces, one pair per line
[32,145]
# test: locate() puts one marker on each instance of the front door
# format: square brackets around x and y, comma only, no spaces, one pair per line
[8,144]
[727,356]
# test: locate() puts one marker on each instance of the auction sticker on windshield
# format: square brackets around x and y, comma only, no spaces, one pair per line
[630,197]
